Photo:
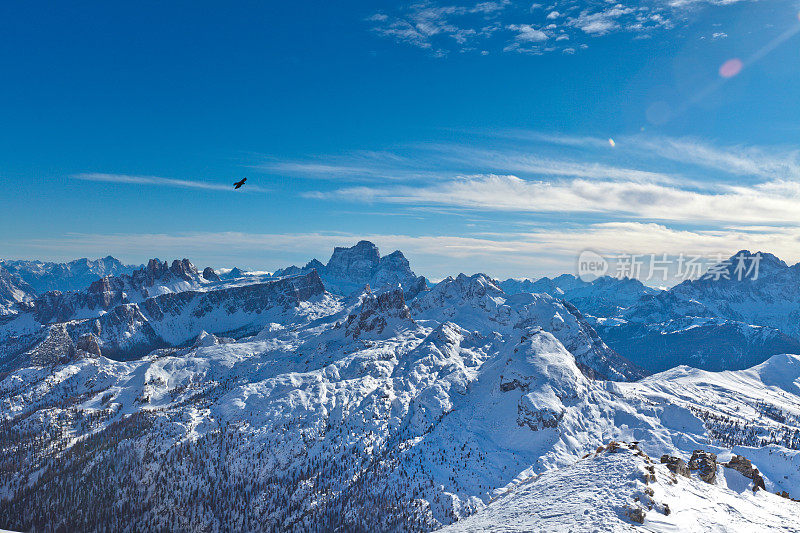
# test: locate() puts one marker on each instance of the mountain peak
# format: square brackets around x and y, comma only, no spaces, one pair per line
[356,262]
[351,268]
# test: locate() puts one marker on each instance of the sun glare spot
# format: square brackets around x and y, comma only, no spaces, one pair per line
[731,68]
[612,143]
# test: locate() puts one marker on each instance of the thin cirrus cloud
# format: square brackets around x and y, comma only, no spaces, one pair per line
[161,182]
[699,182]
[771,202]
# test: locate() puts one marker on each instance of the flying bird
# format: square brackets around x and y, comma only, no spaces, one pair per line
[239,183]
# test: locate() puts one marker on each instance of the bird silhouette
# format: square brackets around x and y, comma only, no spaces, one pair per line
[239,183]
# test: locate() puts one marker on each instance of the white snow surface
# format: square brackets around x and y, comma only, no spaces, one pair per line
[467,399]
[597,493]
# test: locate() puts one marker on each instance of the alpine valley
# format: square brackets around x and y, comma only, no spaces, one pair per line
[355,395]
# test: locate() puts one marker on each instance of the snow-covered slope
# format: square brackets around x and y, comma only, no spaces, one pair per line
[278,406]
[619,488]
[373,417]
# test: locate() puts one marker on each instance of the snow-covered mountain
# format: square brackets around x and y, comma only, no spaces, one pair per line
[350,269]
[72,276]
[171,400]
[477,303]
[603,297]
[366,413]
[123,329]
[716,322]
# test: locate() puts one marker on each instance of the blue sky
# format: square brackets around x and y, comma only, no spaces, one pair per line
[474,136]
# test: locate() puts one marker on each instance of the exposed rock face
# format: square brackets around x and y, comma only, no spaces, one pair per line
[706,464]
[676,465]
[730,320]
[376,312]
[745,467]
[636,514]
[108,292]
[89,344]
[210,275]
[158,273]
[356,263]
[184,269]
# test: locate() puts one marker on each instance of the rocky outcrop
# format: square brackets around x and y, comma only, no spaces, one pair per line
[184,269]
[376,312]
[706,465]
[676,465]
[356,263]
[210,275]
[89,344]
[636,514]
[111,291]
[745,467]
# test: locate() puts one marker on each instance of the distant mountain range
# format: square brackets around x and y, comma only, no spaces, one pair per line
[707,323]
[716,324]
[75,275]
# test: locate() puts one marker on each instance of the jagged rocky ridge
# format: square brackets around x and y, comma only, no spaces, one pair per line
[129,316]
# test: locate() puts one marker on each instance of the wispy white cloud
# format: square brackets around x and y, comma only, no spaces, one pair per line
[161,182]
[739,160]
[767,202]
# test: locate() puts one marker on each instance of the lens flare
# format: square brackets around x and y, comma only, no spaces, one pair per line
[612,143]
[731,68]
